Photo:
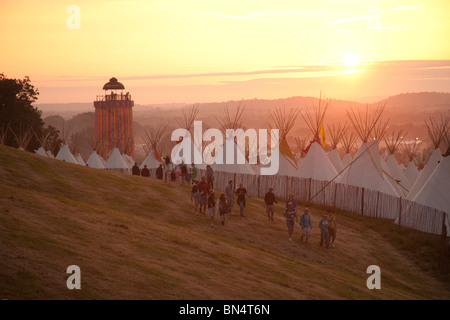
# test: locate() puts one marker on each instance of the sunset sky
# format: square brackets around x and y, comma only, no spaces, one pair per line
[167,51]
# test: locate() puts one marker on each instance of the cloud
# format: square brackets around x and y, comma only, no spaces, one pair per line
[251,15]
[405,8]
[351,19]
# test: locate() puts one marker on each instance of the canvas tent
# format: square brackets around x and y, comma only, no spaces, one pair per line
[95,161]
[80,160]
[152,161]
[336,160]
[64,154]
[42,152]
[425,173]
[288,166]
[435,191]
[316,165]
[116,163]
[411,173]
[234,167]
[366,170]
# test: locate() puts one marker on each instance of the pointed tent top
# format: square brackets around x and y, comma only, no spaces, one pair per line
[113,84]
[95,161]
[115,161]
[316,164]
[64,154]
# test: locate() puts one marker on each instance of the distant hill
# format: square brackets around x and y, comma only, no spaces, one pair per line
[405,111]
[138,238]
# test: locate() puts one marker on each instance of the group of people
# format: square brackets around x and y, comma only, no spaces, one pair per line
[327,225]
[203,196]
[179,172]
[136,171]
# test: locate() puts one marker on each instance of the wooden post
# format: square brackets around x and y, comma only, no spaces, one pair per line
[400,212]
[309,190]
[378,199]
[362,202]
[443,244]
[287,187]
[335,195]
[258,184]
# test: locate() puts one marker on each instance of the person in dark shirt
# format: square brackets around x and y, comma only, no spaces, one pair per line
[211,207]
[160,172]
[203,188]
[135,171]
[291,214]
[241,193]
[145,172]
[270,199]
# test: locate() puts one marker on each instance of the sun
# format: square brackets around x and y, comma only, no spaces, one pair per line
[351,60]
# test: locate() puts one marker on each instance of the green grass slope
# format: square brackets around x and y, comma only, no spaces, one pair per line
[137,238]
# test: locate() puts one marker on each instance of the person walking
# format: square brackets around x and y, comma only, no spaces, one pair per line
[145,172]
[194,172]
[291,200]
[203,188]
[195,196]
[229,192]
[160,172]
[188,177]
[211,207]
[323,226]
[168,168]
[332,228]
[178,171]
[241,193]
[223,207]
[210,176]
[184,172]
[305,223]
[291,214]
[173,175]
[270,199]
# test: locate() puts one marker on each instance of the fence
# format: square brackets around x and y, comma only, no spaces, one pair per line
[349,198]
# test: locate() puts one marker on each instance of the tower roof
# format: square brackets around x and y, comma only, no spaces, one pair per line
[113,84]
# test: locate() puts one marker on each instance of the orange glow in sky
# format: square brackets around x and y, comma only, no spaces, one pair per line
[197,51]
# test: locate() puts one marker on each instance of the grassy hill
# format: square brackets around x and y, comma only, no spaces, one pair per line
[137,238]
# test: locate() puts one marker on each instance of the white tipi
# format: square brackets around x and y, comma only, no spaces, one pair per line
[80,160]
[316,165]
[42,152]
[411,173]
[425,173]
[234,167]
[64,154]
[435,191]
[116,163]
[366,170]
[152,161]
[95,161]
[336,160]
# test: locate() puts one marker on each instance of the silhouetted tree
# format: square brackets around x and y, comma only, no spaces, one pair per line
[17,110]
